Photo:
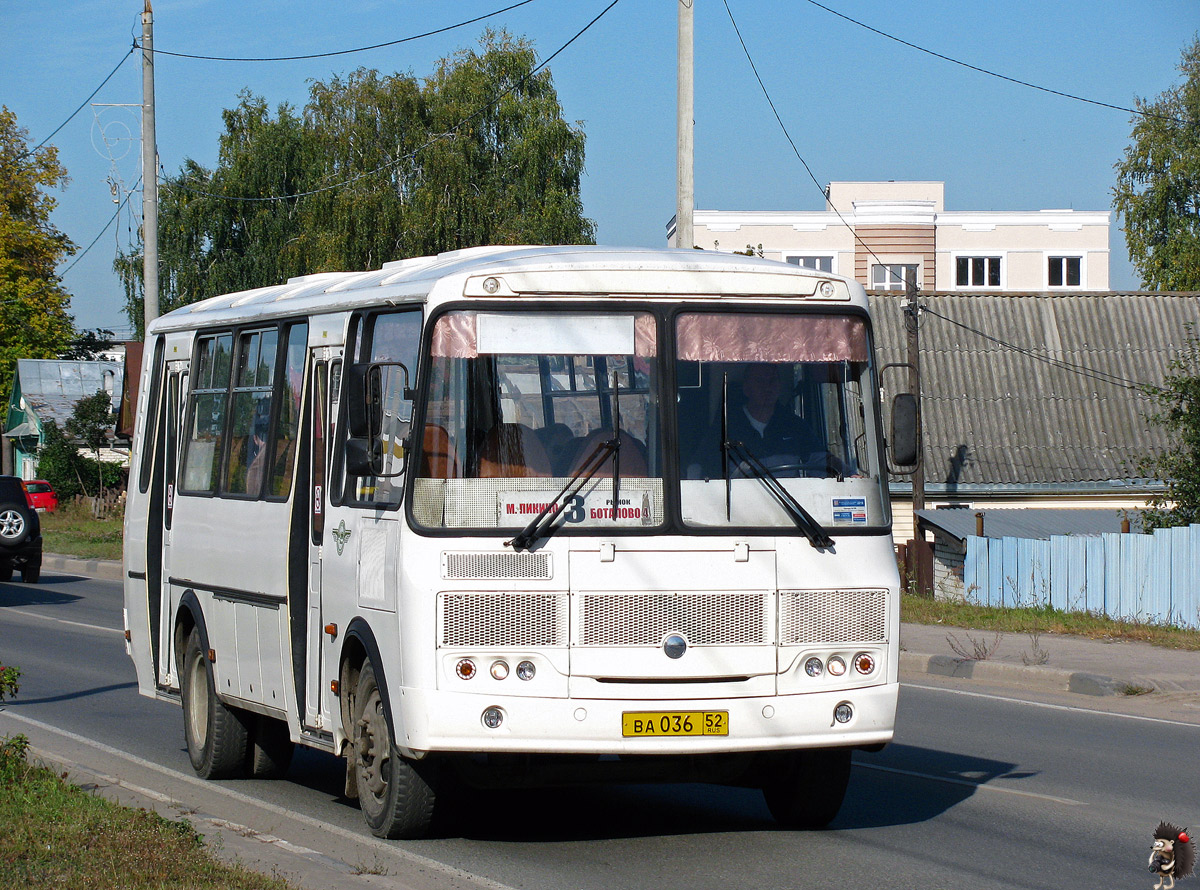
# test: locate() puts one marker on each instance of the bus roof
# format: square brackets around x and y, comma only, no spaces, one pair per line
[510,271]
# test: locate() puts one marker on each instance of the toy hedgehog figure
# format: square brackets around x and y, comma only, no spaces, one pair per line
[1172,856]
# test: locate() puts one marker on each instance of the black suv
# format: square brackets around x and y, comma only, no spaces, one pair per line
[20,533]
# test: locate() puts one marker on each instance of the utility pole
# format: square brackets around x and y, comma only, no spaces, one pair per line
[685,200]
[149,174]
[912,318]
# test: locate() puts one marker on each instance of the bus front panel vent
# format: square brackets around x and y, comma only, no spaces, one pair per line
[498,566]
[503,619]
[832,616]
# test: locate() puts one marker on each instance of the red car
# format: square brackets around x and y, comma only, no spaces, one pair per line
[41,495]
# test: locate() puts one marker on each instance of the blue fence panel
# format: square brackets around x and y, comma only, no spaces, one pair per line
[1094,581]
[975,570]
[1064,568]
[1010,550]
[995,588]
[1114,604]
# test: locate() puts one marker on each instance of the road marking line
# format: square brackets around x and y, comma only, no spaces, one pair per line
[114,630]
[1041,704]
[390,848]
[976,785]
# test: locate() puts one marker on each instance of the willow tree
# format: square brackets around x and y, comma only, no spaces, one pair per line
[374,168]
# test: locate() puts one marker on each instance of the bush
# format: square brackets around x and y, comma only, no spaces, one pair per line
[70,473]
[12,748]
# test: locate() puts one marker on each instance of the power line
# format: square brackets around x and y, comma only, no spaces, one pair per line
[132,49]
[342,52]
[412,154]
[788,135]
[1024,83]
[111,220]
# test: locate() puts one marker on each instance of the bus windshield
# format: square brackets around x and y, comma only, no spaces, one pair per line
[519,400]
[785,393]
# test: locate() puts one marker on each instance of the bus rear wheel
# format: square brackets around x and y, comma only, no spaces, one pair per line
[807,788]
[394,793]
[216,734]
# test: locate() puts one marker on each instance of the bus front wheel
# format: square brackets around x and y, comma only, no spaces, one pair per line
[806,789]
[216,734]
[396,798]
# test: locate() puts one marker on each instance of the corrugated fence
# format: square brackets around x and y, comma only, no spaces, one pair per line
[1153,578]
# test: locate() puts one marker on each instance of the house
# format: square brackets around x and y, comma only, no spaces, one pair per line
[878,232]
[1035,400]
[46,390]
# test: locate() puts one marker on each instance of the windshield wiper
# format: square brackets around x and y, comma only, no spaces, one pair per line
[542,525]
[817,536]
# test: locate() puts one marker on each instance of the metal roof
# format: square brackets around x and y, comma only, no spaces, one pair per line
[1034,522]
[51,388]
[1037,389]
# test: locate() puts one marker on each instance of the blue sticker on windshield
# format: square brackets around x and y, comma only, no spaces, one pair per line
[849,511]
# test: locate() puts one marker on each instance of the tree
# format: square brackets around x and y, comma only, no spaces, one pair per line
[91,423]
[1158,184]
[1177,404]
[34,321]
[381,167]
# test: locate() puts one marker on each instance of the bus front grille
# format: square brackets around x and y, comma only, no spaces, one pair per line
[644,619]
[832,616]
[495,566]
[504,619]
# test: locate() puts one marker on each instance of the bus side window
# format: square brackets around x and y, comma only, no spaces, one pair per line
[290,386]
[205,438]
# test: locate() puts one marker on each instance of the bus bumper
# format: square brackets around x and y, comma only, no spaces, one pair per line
[429,721]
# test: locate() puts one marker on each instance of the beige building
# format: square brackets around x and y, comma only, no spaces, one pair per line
[876,232]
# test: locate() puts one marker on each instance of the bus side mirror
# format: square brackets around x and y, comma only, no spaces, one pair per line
[905,447]
[358,457]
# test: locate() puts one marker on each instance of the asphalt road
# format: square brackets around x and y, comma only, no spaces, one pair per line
[980,790]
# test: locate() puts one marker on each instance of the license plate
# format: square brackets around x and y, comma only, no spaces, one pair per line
[654,724]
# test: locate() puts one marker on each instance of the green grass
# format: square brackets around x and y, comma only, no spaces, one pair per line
[922,610]
[72,530]
[54,834]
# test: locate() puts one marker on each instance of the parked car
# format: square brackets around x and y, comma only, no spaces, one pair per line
[20,533]
[42,495]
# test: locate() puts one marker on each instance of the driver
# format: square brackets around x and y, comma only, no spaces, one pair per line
[769,430]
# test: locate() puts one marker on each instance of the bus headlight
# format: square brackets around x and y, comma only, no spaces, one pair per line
[526,670]
[864,662]
[836,666]
[843,713]
[813,667]
[499,669]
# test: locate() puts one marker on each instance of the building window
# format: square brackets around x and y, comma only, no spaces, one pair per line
[1065,271]
[820,263]
[977,271]
[891,276]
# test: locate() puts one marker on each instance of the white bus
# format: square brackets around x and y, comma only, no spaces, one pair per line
[513,515]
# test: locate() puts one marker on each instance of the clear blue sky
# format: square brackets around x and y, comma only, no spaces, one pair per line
[860,107]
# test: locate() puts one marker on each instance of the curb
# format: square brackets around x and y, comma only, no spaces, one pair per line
[1025,676]
[106,569]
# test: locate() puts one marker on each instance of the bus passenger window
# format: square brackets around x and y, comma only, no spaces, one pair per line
[291,386]
[211,369]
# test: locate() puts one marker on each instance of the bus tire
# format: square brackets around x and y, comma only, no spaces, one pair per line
[270,749]
[215,733]
[396,798]
[808,790]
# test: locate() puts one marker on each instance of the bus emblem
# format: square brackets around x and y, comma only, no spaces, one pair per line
[341,534]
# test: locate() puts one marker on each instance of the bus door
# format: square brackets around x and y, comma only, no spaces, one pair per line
[324,385]
[173,406]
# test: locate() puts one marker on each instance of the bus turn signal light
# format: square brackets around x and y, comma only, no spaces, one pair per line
[331,629]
